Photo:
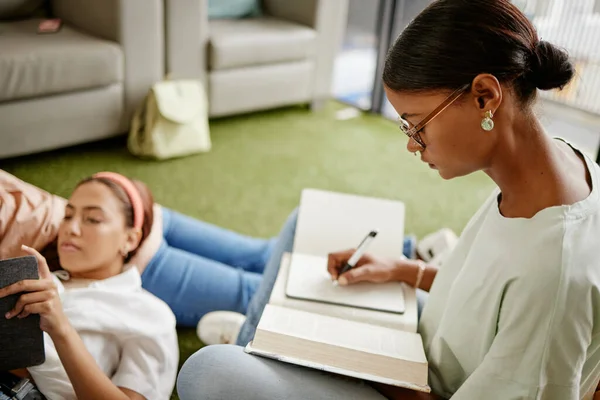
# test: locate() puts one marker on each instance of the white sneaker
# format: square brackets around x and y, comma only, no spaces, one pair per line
[435,247]
[220,327]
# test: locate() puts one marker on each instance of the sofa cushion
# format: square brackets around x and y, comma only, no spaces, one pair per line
[256,41]
[33,65]
[233,8]
[14,9]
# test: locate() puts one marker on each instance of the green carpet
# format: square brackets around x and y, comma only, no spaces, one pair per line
[259,163]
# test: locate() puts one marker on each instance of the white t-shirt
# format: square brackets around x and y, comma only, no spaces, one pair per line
[130,333]
[514,312]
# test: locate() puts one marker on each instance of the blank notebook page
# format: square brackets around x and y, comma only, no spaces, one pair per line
[309,280]
[329,222]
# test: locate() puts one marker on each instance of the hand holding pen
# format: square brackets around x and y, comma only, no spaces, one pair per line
[355,265]
[368,268]
[359,252]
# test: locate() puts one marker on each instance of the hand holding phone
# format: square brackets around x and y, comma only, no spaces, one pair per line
[21,342]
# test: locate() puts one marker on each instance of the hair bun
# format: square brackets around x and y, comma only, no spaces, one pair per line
[550,67]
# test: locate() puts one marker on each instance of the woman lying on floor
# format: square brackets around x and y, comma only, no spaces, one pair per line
[193,266]
[106,338]
[514,311]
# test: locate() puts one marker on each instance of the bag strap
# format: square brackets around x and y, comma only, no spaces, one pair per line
[136,133]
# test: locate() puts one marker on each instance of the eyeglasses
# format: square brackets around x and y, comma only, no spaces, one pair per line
[414,132]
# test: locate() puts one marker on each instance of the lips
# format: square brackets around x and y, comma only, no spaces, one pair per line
[69,247]
[431,165]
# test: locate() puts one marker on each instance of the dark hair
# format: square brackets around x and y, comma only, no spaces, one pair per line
[51,253]
[453,41]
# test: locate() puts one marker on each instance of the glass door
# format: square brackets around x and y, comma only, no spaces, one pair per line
[372,26]
[356,64]
[404,12]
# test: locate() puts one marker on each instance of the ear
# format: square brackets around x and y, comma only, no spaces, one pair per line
[487,93]
[133,238]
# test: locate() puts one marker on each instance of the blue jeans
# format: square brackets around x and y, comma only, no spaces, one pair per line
[201,268]
[224,372]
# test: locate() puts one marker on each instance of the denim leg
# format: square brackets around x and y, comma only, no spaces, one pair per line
[422,297]
[193,286]
[215,243]
[226,372]
[284,243]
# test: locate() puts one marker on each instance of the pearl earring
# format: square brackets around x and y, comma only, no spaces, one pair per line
[124,252]
[487,124]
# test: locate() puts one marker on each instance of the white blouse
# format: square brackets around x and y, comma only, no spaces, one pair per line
[130,333]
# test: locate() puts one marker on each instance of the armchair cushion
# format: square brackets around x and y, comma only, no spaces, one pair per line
[258,41]
[35,65]
[233,8]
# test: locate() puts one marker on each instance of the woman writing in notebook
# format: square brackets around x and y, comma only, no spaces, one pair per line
[513,312]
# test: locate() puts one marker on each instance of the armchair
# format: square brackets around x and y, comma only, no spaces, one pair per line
[281,58]
[82,83]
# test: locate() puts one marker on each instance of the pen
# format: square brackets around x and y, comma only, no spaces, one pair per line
[358,253]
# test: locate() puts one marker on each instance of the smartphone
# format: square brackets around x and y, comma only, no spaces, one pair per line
[21,340]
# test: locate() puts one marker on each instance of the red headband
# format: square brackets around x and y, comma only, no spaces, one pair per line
[132,193]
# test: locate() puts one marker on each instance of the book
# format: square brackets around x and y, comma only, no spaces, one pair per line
[21,339]
[357,338]
[329,221]
[340,346]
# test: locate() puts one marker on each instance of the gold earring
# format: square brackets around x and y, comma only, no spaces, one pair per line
[487,123]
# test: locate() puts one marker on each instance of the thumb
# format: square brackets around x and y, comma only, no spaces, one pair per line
[364,273]
[43,269]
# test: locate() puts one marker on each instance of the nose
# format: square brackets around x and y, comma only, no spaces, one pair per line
[412,146]
[72,227]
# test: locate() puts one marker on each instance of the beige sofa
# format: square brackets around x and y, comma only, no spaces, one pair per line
[283,57]
[82,83]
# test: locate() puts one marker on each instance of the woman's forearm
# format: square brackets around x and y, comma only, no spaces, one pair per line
[88,380]
[408,271]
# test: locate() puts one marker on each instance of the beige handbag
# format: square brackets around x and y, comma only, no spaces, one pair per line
[171,122]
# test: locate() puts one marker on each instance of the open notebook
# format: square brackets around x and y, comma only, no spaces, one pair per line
[328,222]
[406,321]
[355,334]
